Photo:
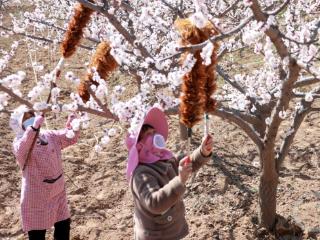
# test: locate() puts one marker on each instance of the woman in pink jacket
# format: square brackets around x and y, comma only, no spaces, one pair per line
[43,195]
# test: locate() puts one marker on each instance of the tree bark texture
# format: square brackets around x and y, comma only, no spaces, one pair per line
[268,191]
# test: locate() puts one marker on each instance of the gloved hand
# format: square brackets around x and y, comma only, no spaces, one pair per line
[38,120]
[71,117]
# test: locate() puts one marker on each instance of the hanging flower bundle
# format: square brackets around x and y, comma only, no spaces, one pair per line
[74,33]
[199,83]
[104,63]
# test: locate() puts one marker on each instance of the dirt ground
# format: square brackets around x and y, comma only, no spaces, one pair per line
[221,200]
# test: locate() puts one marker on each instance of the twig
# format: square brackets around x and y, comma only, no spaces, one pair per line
[175,10]
[298,42]
[60,29]
[228,9]
[40,38]
[280,9]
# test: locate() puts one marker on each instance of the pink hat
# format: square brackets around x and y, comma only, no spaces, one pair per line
[156,118]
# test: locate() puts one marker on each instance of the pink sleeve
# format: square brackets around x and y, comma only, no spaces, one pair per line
[22,146]
[61,138]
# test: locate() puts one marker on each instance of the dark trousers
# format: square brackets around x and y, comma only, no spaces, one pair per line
[61,231]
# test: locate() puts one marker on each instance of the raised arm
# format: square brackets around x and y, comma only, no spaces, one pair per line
[202,154]
[61,135]
[22,146]
[153,197]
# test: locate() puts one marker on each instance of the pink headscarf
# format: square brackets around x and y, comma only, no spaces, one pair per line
[157,119]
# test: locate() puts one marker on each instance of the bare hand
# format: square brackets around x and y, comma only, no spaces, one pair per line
[38,121]
[185,169]
[71,117]
[207,145]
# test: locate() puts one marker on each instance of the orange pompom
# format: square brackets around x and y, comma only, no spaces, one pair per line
[74,33]
[104,63]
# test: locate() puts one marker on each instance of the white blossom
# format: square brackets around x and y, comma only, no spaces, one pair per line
[268,121]
[308,97]
[39,106]
[97,148]
[70,134]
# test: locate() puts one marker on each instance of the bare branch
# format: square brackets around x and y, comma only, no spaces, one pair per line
[30,105]
[280,9]
[282,103]
[232,117]
[228,9]
[242,124]
[306,81]
[94,112]
[303,95]
[105,108]
[298,42]
[40,38]
[237,86]
[60,28]
[249,118]
[173,9]
[16,97]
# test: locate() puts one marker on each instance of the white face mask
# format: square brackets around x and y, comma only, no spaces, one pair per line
[159,141]
[28,122]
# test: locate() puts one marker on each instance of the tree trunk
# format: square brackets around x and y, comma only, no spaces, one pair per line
[268,191]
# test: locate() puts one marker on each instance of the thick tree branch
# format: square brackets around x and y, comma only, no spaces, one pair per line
[306,81]
[15,96]
[272,32]
[242,124]
[282,103]
[249,118]
[30,105]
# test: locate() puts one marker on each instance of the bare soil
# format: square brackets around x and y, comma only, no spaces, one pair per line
[221,200]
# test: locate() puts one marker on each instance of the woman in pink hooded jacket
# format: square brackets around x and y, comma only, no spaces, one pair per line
[43,195]
[157,179]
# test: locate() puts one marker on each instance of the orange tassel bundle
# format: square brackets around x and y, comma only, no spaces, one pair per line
[199,80]
[75,30]
[104,63]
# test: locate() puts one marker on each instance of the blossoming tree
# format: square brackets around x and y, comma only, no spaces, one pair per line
[282,82]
